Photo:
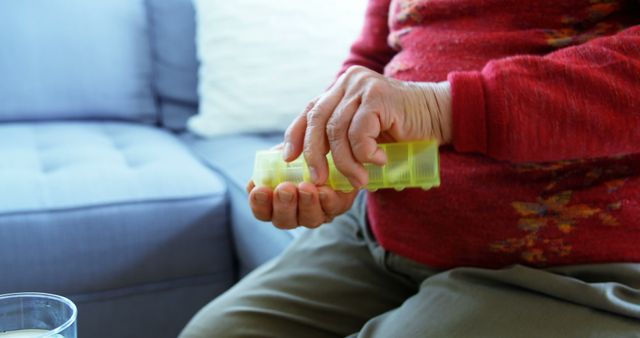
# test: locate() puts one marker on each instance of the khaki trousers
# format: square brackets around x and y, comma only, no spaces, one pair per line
[336,281]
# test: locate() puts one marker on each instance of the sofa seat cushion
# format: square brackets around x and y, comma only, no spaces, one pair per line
[102,206]
[69,164]
[232,156]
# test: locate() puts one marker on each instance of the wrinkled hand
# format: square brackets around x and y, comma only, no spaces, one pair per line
[289,206]
[361,109]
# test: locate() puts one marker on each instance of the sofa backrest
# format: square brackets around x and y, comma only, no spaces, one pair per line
[172,30]
[99,59]
[75,59]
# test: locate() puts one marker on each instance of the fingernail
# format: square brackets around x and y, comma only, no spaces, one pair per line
[314,174]
[378,156]
[305,196]
[262,197]
[285,196]
[356,183]
[288,149]
[373,154]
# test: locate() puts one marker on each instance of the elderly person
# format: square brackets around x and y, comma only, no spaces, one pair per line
[535,231]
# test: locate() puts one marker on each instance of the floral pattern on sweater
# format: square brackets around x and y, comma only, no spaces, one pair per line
[591,22]
[557,209]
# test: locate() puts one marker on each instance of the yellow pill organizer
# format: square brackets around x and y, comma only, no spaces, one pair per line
[409,165]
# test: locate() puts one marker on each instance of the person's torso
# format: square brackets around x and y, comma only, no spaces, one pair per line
[491,213]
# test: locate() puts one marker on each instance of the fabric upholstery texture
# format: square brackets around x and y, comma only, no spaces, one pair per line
[75,59]
[58,165]
[172,32]
[174,115]
[232,157]
[101,210]
[160,313]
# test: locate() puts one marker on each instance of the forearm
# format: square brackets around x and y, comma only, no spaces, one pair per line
[579,102]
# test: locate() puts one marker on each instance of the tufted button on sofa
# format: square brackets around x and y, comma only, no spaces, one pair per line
[104,197]
[118,216]
[100,199]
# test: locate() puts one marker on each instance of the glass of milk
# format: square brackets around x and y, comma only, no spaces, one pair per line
[37,315]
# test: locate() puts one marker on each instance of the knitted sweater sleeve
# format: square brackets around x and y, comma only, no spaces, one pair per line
[371,49]
[578,102]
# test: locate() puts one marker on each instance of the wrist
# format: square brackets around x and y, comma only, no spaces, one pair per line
[442,91]
[435,108]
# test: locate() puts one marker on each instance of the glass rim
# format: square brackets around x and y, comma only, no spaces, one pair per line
[50,296]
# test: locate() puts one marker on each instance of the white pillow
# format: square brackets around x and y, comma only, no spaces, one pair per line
[262,61]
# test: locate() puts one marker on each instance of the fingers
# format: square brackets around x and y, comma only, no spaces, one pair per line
[278,146]
[342,120]
[337,134]
[294,135]
[335,203]
[363,133]
[325,125]
[315,140]
[260,200]
[310,212]
[289,206]
[250,186]
[285,206]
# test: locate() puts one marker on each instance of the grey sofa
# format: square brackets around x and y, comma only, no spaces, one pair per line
[104,198]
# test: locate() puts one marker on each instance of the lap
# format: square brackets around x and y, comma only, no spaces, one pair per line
[576,301]
[336,281]
[327,284]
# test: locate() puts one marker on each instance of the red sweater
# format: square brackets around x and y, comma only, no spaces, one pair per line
[544,168]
